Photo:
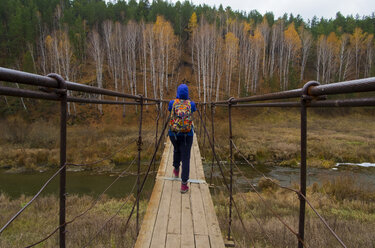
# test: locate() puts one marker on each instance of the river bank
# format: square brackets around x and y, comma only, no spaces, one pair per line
[272,137]
[34,146]
[266,137]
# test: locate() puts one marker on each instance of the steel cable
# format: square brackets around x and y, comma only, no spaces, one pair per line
[32,200]
[269,207]
[141,186]
[221,170]
[94,202]
[50,179]
[234,203]
[295,191]
[259,172]
[118,211]
[144,179]
[105,158]
[256,219]
[97,199]
[113,216]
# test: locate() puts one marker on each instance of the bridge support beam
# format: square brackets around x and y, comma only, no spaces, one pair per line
[229,238]
[302,208]
[139,163]
[213,141]
[62,92]
[301,226]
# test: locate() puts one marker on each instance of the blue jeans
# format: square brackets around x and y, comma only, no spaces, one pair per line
[181,153]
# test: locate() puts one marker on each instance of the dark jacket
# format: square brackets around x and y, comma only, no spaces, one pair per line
[182,93]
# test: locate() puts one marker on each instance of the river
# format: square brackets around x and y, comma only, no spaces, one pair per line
[77,182]
[93,183]
[288,176]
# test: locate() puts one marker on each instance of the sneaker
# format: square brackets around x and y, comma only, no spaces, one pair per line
[184,188]
[175,173]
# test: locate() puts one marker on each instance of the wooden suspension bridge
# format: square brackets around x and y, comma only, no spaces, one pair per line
[180,220]
[174,219]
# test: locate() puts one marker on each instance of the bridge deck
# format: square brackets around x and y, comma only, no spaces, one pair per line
[180,220]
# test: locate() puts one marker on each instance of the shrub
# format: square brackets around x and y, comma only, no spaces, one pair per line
[268,184]
[15,131]
[345,187]
[43,134]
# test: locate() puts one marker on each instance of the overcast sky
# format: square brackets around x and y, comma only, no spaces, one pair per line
[306,8]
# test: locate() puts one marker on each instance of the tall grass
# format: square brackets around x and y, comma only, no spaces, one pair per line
[348,207]
[42,217]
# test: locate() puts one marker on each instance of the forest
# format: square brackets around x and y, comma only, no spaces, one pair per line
[145,48]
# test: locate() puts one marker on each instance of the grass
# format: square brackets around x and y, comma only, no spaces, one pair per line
[34,145]
[265,136]
[352,217]
[270,136]
[42,217]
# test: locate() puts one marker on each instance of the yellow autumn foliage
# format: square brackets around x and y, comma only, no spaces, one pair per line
[292,38]
[231,41]
[333,42]
[193,23]
[257,39]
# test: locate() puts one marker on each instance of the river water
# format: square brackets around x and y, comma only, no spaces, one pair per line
[288,176]
[77,182]
[93,183]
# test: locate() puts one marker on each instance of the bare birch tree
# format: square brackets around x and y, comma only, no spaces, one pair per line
[357,39]
[369,54]
[97,53]
[231,49]
[306,41]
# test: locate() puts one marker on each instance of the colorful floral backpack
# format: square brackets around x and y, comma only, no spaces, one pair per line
[181,118]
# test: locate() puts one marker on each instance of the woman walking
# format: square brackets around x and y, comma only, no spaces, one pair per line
[181,132]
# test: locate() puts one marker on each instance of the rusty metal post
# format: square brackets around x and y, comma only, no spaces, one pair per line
[213,140]
[302,208]
[201,121]
[167,115]
[205,121]
[157,124]
[139,163]
[301,227]
[62,91]
[64,105]
[231,169]
[156,129]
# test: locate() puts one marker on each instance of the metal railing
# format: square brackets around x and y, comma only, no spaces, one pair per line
[312,95]
[54,87]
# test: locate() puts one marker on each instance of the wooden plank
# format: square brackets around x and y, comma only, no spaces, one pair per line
[180,220]
[193,172]
[159,234]
[202,241]
[166,156]
[215,236]
[174,223]
[199,219]
[198,162]
[161,224]
[187,235]
[216,239]
[169,165]
[145,234]
[173,240]
[148,223]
